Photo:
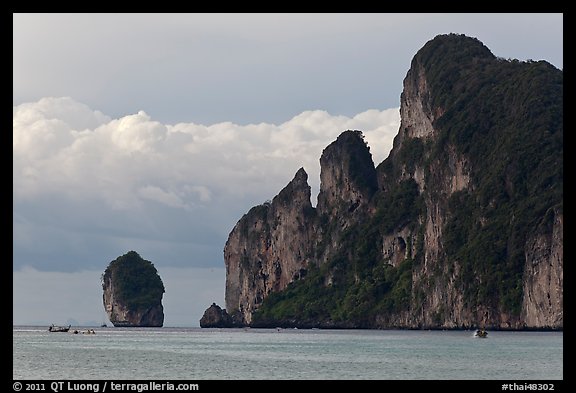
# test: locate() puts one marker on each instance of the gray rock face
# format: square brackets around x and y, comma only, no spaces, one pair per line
[122,315]
[215,317]
[347,176]
[543,301]
[268,248]
[348,181]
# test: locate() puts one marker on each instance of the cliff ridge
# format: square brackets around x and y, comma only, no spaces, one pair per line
[459,227]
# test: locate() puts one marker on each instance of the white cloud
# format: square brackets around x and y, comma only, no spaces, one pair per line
[75,169]
[157,194]
[134,157]
[203,193]
[76,115]
[136,133]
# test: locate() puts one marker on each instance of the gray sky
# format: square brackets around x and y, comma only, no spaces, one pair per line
[156,132]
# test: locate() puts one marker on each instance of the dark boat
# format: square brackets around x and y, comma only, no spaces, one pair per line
[58,329]
[481,333]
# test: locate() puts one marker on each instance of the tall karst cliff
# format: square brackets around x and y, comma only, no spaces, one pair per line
[270,247]
[461,226]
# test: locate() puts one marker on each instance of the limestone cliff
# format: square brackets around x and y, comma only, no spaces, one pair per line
[347,183]
[268,248]
[461,226]
[133,292]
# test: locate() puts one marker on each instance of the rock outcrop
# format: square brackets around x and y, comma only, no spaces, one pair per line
[216,317]
[348,181]
[133,292]
[461,226]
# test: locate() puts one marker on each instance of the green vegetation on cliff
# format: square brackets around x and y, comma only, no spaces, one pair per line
[136,281]
[498,126]
[506,117]
[342,302]
[355,286]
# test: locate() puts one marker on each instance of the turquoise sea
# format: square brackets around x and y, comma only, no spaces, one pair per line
[253,354]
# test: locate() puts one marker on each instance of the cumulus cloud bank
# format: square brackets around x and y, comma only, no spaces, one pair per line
[88,187]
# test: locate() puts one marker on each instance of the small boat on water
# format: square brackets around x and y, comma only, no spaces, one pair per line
[87,331]
[481,333]
[58,329]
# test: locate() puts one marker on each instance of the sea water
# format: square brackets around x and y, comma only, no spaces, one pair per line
[253,354]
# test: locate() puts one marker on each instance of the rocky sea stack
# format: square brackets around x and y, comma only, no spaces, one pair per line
[215,317]
[460,226]
[133,292]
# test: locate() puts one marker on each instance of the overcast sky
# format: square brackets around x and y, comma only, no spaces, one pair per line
[156,132]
